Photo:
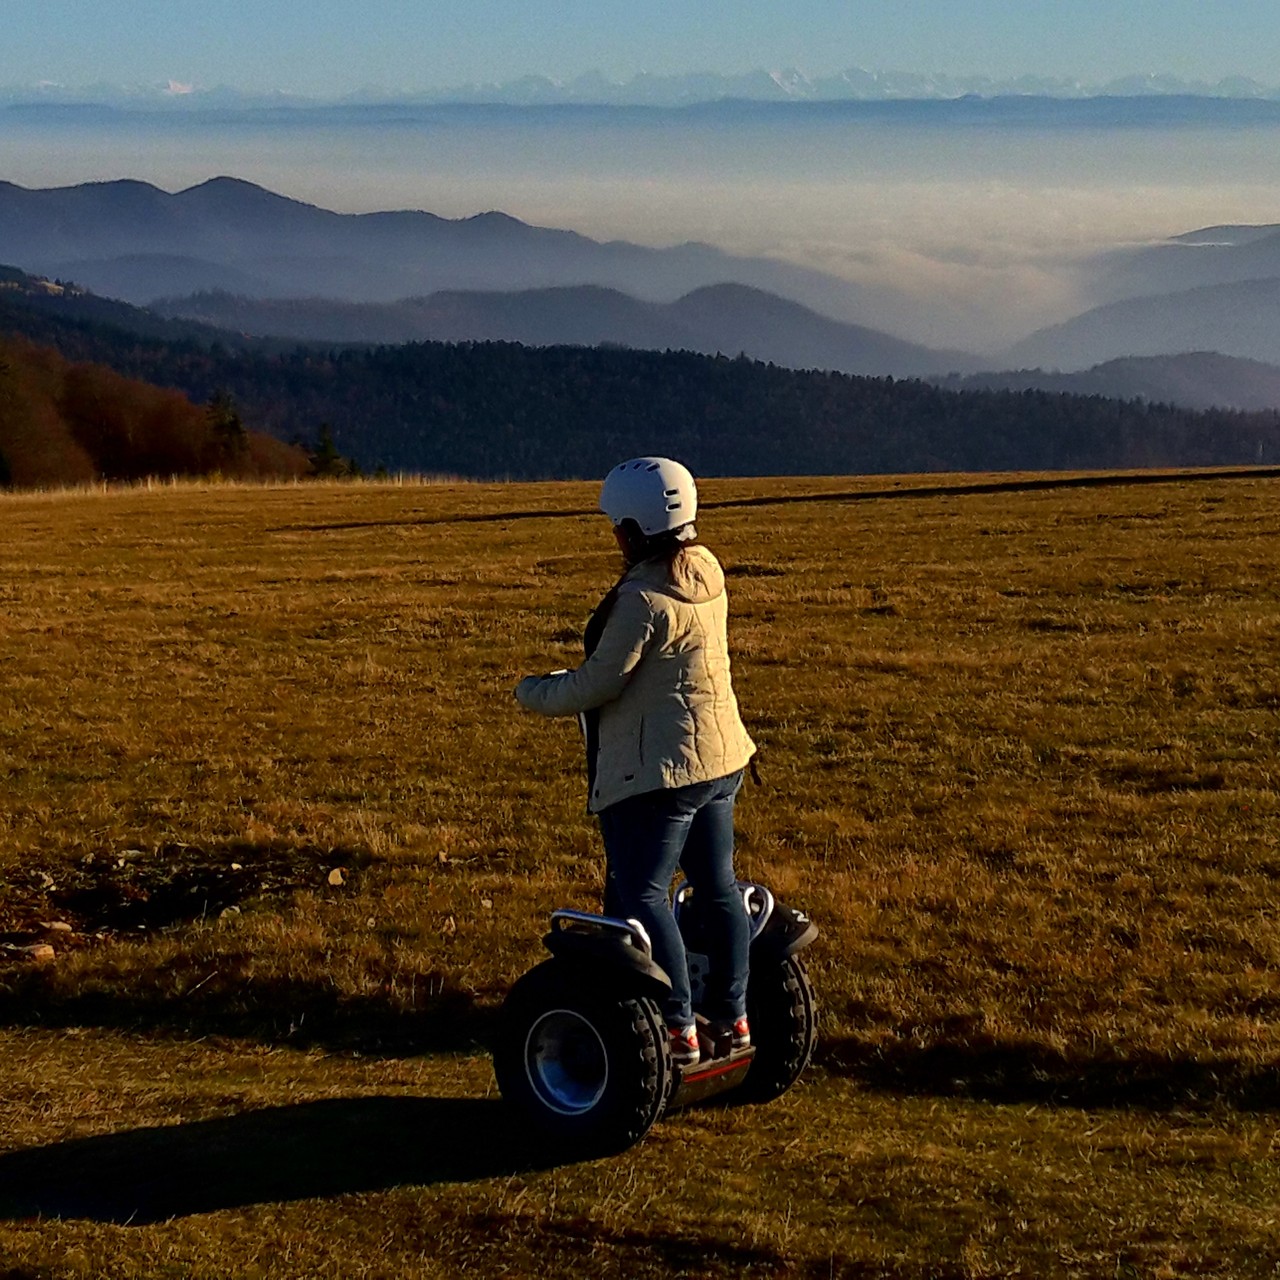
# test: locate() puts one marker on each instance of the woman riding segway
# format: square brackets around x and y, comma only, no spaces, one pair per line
[666,745]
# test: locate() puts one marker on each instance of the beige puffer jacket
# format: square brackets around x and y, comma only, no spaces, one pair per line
[660,677]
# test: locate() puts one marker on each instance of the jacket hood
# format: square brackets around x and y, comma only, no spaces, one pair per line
[695,575]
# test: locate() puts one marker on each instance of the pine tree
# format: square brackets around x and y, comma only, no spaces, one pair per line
[325,458]
[230,439]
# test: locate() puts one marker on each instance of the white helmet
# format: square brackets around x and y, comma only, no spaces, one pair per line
[659,494]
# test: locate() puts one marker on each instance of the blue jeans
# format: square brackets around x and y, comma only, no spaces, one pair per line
[646,837]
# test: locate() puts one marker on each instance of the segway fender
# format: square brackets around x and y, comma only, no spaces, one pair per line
[785,932]
[607,950]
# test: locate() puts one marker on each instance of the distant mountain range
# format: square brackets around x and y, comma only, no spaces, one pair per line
[131,240]
[1238,319]
[783,85]
[728,319]
[1209,256]
[233,258]
[1216,289]
[266,264]
[1197,379]
[25,298]
[68,317]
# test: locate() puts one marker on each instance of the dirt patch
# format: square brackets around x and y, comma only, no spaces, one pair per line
[113,892]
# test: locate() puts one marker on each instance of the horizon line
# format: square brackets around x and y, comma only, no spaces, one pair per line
[789,85]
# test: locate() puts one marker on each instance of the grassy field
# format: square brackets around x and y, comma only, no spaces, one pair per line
[261,764]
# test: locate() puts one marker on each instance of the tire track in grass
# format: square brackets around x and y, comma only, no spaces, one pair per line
[1038,484]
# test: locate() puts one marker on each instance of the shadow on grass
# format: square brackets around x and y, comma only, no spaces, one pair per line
[991,1070]
[691,1253]
[326,1148]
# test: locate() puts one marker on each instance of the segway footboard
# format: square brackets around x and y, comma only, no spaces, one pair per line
[780,1001]
[717,1073]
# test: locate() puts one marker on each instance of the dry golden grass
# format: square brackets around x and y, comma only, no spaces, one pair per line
[1019,753]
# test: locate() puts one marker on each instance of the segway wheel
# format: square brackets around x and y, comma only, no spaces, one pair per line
[589,1068]
[784,1027]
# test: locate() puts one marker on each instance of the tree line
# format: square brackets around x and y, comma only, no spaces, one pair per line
[490,409]
[67,423]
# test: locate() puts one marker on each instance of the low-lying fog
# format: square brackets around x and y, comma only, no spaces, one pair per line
[974,227]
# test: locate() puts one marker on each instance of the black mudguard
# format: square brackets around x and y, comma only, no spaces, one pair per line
[777,931]
[609,959]
[784,933]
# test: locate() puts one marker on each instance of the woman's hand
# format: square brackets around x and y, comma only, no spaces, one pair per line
[521,691]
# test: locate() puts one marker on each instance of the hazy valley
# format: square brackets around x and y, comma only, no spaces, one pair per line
[962,224]
[239,257]
[246,274]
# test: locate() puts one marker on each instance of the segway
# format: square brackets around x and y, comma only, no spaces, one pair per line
[582,1047]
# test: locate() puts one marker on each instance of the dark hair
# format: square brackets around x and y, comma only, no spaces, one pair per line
[639,546]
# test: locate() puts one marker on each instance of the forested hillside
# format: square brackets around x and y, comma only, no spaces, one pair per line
[494,409]
[64,423]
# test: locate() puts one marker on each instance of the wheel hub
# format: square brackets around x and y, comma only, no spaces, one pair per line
[566,1062]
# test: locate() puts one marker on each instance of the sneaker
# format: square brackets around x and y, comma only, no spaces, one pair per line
[739,1033]
[683,1042]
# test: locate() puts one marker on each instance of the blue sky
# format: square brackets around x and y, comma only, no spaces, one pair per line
[334,46]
